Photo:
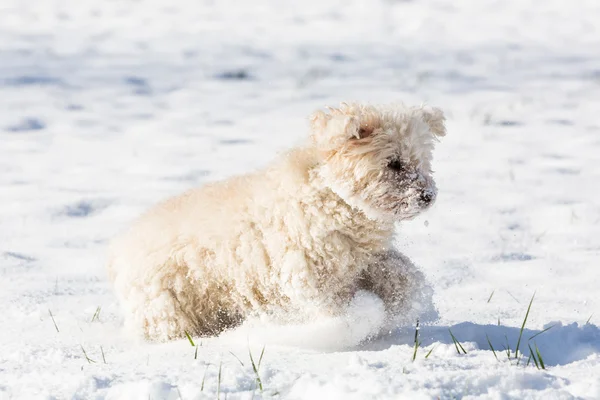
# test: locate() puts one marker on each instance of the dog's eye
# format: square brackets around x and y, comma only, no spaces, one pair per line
[396,165]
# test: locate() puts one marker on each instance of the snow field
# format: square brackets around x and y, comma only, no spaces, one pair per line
[108,107]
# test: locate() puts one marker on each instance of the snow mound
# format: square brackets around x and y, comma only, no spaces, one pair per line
[363,318]
[559,344]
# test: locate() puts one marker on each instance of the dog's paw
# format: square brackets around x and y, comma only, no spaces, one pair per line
[364,318]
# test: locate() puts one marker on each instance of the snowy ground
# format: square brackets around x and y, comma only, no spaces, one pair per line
[108,106]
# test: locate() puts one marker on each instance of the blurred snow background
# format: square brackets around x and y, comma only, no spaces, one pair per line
[109,106]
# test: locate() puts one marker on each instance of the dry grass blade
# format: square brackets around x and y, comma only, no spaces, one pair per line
[511,295]
[523,326]
[53,321]
[89,360]
[236,357]
[491,295]
[219,381]
[96,315]
[103,358]
[196,353]
[203,379]
[589,319]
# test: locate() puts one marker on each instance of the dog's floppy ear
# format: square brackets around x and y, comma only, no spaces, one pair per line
[318,121]
[331,131]
[434,117]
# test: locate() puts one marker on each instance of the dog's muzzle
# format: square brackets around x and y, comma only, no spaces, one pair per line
[427,198]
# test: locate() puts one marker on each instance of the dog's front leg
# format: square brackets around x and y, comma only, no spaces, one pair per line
[307,297]
[401,286]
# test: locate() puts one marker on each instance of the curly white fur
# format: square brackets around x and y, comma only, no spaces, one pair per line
[298,239]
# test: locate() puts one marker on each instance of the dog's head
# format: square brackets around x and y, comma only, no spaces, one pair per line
[378,158]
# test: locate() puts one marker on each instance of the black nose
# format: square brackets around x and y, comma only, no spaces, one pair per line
[426,197]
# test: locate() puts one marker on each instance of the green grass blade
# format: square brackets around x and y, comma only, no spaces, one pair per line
[416,341]
[262,353]
[417,332]
[523,326]
[507,348]
[454,341]
[532,355]
[196,353]
[539,356]
[189,338]
[430,351]
[457,343]
[491,347]
[539,333]
[415,352]
[528,360]
[258,381]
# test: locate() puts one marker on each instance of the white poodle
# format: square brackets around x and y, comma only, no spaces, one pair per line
[297,240]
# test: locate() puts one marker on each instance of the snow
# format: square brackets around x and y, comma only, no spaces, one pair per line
[108,107]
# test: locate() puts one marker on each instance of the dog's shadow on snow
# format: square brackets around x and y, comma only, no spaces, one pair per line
[559,345]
